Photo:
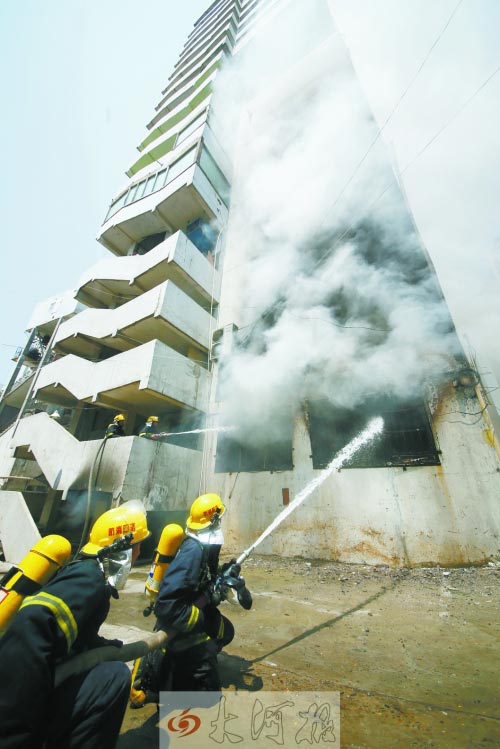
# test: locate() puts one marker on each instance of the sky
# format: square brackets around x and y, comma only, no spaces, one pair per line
[80,80]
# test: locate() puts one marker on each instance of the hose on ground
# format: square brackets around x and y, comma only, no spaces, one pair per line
[85,661]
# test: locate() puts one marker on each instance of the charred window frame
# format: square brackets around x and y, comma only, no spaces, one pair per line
[235,456]
[407,439]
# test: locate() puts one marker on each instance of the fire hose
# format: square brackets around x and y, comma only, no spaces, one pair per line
[85,661]
[135,650]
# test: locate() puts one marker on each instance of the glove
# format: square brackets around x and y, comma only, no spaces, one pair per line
[230,569]
[230,572]
[218,591]
[244,596]
[212,594]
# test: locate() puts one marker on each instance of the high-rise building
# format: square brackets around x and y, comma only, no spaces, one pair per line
[266,296]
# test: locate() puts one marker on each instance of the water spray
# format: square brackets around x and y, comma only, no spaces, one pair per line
[85,661]
[192,431]
[374,428]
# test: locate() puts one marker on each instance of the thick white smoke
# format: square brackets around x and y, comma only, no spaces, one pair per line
[326,280]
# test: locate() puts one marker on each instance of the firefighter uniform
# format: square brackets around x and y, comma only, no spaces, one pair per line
[62,619]
[150,428]
[196,627]
[116,428]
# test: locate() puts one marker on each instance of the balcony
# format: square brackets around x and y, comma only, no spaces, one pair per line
[147,379]
[206,21]
[163,475]
[19,390]
[164,313]
[185,196]
[46,314]
[190,127]
[196,77]
[192,48]
[198,62]
[113,281]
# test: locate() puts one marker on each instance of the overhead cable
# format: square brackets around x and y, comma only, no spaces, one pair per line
[410,163]
[396,106]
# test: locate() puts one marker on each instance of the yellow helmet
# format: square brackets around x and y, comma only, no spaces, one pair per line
[119,417]
[203,510]
[129,517]
[152,418]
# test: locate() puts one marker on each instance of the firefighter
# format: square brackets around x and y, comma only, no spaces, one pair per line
[116,428]
[188,599]
[150,427]
[61,620]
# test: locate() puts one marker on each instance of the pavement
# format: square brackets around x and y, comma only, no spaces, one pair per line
[414,653]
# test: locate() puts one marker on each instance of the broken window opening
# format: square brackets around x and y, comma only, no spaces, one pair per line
[237,456]
[407,439]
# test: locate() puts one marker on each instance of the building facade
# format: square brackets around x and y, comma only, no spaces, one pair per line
[264,298]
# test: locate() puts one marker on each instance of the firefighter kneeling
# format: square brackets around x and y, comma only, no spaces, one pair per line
[187,607]
[62,619]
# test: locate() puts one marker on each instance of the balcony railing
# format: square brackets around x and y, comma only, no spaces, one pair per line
[162,177]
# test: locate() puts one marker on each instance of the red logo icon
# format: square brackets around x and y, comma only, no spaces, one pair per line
[184,724]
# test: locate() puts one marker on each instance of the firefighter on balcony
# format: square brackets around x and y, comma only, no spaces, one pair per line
[116,428]
[150,428]
[188,599]
[62,619]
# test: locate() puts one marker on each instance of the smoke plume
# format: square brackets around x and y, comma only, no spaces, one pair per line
[324,273]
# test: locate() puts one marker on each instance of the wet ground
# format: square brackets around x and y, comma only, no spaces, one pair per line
[415,654]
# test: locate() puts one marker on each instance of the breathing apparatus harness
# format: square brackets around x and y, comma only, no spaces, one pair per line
[228,577]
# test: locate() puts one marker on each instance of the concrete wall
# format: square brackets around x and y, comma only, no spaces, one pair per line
[164,476]
[448,514]
[165,302]
[176,251]
[131,466]
[152,366]
[62,305]
[64,461]
[18,532]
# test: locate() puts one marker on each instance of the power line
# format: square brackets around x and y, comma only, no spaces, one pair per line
[319,319]
[411,162]
[396,106]
[457,113]
[352,226]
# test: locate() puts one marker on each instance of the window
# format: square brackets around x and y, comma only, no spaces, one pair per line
[132,194]
[140,189]
[192,127]
[181,164]
[160,179]
[116,205]
[147,243]
[234,455]
[215,175]
[150,182]
[202,235]
[153,182]
[407,439]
